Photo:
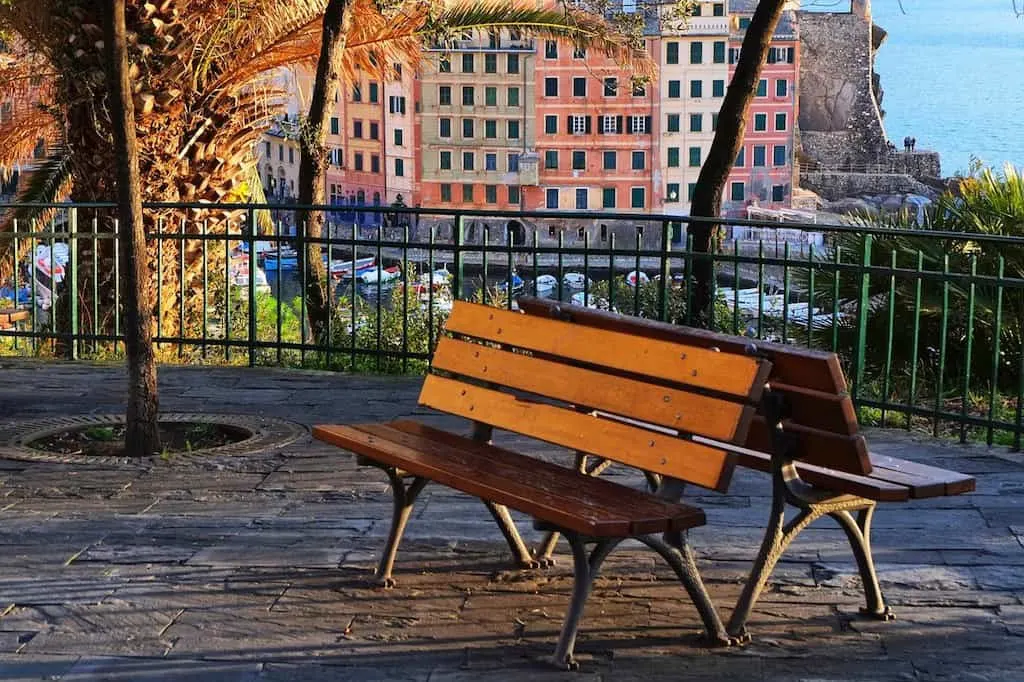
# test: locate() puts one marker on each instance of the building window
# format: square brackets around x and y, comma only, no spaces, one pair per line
[579,124]
[637,197]
[396,104]
[781,88]
[760,122]
[467,192]
[358,161]
[513,63]
[673,157]
[672,192]
[280,152]
[579,160]
[467,96]
[759,155]
[718,52]
[551,198]
[638,124]
[491,194]
[696,51]
[736,192]
[335,125]
[718,88]
[444,65]
[672,52]
[357,94]
[513,130]
[551,87]
[444,127]
[399,137]
[609,124]
[357,129]
[696,123]
[550,125]
[579,53]
[374,130]
[609,160]
[291,155]
[579,87]
[611,87]
[551,159]
[694,157]
[374,93]
[446,192]
[490,63]
[780,121]
[718,9]
[550,49]
[674,89]
[490,129]
[781,55]
[467,128]
[513,163]
[779,155]
[714,121]
[582,200]
[468,161]
[513,194]
[691,189]
[490,161]
[445,161]
[444,95]
[513,97]
[399,168]
[744,23]
[639,160]
[672,124]
[374,163]
[778,193]
[608,197]
[762,88]
[467,63]
[266,144]
[639,89]
[696,88]
[490,97]
[734,55]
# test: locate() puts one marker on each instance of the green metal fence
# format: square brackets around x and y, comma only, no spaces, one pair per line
[928,325]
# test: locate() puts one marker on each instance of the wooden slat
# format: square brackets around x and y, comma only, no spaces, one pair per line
[9,317]
[672,408]
[646,513]
[818,370]
[663,360]
[863,486]
[922,479]
[817,409]
[649,450]
[555,494]
[814,446]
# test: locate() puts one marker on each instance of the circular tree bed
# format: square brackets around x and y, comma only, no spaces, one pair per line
[108,440]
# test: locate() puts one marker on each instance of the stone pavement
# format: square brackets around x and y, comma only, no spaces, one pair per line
[257,568]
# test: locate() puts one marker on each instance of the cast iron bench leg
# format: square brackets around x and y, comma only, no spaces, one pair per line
[858,532]
[585,569]
[403,498]
[515,542]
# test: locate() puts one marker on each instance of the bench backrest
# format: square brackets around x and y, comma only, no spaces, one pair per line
[656,404]
[821,418]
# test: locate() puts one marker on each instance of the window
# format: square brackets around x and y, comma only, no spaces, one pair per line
[691,188]
[291,155]
[399,168]
[374,163]
[696,10]
[744,23]
[444,95]
[741,158]
[611,87]
[760,122]
[582,200]
[639,89]
[780,121]
[672,124]
[490,129]
[490,63]
[444,65]
[639,160]
[736,192]
[374,130]
[718,88]
[513,163]
[551,159]
[694,157]
[513,63]
[579,53]
[468,161]
[580,124]
[280,152]
[266,145]
[672,191]
[398,71]
[467,63]
[609,159]
[696,52]
[335,125]
[444,127]
[672,52]
[513,97]
[778,192]
[638,124]
[608,197]
[551,198]
[696,123]
[374,93]
[759,155]
[445,161]
[513,194]
[637,198]
[673,157]
[446,192]
[513,130]
[781,55]
[396,104]
[357,94]
[550,49]
[609,124]
[467,96]
[718,52]
[718,9]
[579,160]
[696,88]
[399,137]
[490,161]
[357,129]
[467,192]
[734,55]
[490,96]
[551,87]
[781,88]
[550,125]
[762,88]
[579,87]
[674,89]
[467,128]
[491,194]
[779,155]
[358,161]
[714,121]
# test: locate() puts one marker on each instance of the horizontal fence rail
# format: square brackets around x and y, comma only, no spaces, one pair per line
[928,325]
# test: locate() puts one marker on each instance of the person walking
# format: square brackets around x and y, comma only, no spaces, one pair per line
[906,143]
[913,143]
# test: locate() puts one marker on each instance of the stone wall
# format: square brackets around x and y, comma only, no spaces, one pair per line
[833,185]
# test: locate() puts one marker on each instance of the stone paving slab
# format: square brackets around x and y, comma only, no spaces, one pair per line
[260,568]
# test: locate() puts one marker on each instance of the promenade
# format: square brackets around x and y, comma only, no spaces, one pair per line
[257,566]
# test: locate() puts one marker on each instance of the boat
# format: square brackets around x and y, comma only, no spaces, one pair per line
[21,297]
[576,280]
[545,283]
[517,285]
[240,273]
[348,269]
[285,259]
[582,298]
[636,277]
[382,275]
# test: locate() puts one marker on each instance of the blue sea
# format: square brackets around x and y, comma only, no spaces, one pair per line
[953,77]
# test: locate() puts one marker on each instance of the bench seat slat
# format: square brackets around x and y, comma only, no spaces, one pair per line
[669,407]
[924,480]
[533,486]
[867,486]
[661,453]
[695,366]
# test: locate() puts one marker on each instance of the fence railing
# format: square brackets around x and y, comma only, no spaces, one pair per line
[928,325]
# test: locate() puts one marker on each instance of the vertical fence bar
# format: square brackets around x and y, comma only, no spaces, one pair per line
[665,277]
[836,261]
[561,267]
[280,292]
[227,292]
[459,238]
[760,288]
[890,334]
[15,268]
[1020,402]
[811,294]
[354,298]
[785,291]
[863,306]
[997,328]
[586,267]
[405,286]
[735,287]
[301,242]
[484,265]
[968,349]
[943,330]
[611,271]
[380,277]
[430,289]
[639,244]
[914,357]
[95,236]
[510,243]
[688,283]
[536,269]
[117,285]
[206,283]
[250,217]
[160,281]
[71,277]
[181,289]
[329,289]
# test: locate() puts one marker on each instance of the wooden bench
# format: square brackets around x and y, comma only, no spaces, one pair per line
[10,317]
[806,436]
[669,408]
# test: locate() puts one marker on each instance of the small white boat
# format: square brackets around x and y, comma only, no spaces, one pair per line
[635,277]
[582,298]
[517,285]
[575,280]
[382,275]
[345,269]
[545,283]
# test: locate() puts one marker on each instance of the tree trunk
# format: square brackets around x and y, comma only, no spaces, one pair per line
[313,164]
[732,124]
[142,436]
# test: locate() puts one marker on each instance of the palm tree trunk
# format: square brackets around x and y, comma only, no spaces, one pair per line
[313,163]
[732,124]
[142,436]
